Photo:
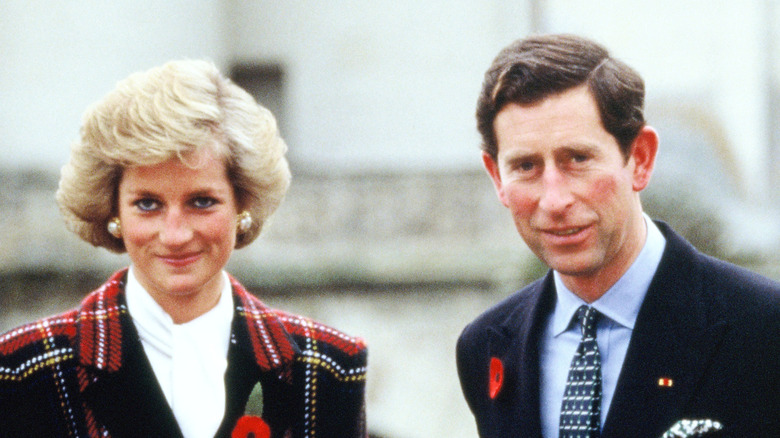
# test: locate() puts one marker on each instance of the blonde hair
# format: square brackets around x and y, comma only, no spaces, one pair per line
[169,112]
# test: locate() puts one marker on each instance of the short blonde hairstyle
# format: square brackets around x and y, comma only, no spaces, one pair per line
[171,111]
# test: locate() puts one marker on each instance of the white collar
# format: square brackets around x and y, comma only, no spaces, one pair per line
[190,359]
[622,301]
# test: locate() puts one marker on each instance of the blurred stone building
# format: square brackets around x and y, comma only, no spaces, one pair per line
[390,230]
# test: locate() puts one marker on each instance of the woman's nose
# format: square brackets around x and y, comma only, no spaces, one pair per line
[175,228]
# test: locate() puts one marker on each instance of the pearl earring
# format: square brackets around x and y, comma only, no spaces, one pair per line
[114,228]
[244,222]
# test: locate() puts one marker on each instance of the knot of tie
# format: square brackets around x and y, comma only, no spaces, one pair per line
[588,317]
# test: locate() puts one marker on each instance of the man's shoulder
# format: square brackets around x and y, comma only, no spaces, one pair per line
[731,291]
[741,296]
[727,274]
[510,310]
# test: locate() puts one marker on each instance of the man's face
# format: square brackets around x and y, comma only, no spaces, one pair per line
[573,195]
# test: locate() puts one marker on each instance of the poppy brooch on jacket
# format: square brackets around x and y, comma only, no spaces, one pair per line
[251,424]
[496,377]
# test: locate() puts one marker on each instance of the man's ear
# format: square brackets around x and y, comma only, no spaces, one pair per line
[492,169]
[643,153]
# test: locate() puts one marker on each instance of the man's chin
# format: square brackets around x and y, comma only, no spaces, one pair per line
[573,266]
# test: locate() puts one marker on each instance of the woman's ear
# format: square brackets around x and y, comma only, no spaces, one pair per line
[643,152]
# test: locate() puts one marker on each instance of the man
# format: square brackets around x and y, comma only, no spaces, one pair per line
[633,332]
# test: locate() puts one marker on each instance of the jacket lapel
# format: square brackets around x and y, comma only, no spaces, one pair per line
[261,350]
[129,402]
[516,344]
[119,387]
[672,343]
[121,391]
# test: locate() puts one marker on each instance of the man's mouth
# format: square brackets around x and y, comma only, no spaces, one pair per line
[566,232]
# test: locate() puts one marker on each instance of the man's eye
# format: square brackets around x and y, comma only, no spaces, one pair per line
[147,204]
[526,166]
[579,158]
[203,202]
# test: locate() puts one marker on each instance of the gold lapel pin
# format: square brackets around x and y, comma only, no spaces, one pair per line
[665,382]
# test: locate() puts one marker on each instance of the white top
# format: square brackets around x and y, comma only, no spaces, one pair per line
[189,360]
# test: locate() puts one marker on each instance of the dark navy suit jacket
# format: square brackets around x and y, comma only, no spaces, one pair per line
[710,327]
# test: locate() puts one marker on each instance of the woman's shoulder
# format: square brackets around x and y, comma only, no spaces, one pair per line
[37,346]
[303,330]
[308,329]
[333,355]
[60,339]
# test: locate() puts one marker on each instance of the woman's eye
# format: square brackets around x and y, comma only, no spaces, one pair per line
[147,204]
[203,202]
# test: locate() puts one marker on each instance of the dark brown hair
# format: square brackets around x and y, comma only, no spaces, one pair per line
[532,69]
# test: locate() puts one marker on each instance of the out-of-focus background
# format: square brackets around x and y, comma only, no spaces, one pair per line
[391,229]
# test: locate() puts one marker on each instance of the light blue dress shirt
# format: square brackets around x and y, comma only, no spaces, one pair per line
[620,307]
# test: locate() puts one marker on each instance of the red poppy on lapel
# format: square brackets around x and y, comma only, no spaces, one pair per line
[250,426]
[496,377]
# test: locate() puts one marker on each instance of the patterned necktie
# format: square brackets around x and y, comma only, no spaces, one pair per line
[581,407]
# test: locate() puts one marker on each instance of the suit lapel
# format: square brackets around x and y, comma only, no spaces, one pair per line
[516,344]
[673,340]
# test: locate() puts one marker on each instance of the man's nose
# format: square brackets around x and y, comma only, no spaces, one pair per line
[556,195]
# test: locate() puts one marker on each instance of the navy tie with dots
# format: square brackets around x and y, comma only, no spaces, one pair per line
[581,407]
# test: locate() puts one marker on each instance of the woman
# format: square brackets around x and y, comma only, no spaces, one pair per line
[177,166]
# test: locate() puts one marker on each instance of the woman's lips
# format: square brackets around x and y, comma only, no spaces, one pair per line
[180,260]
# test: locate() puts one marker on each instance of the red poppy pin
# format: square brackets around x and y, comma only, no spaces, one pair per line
[251,425]
[496,377]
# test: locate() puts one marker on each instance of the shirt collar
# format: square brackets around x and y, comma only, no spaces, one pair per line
[156,326]
[622,301]
[152,322]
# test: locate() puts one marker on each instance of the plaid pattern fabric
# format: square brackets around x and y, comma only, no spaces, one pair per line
[47,366]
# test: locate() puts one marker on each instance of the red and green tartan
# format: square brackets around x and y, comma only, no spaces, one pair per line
[47,365]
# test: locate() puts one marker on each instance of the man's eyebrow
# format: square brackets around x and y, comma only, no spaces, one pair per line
[578,148]
[521,157]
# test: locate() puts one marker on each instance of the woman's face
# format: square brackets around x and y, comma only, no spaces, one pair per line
[179,228]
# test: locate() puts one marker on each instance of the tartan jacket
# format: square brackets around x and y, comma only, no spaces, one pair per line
[84,373]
